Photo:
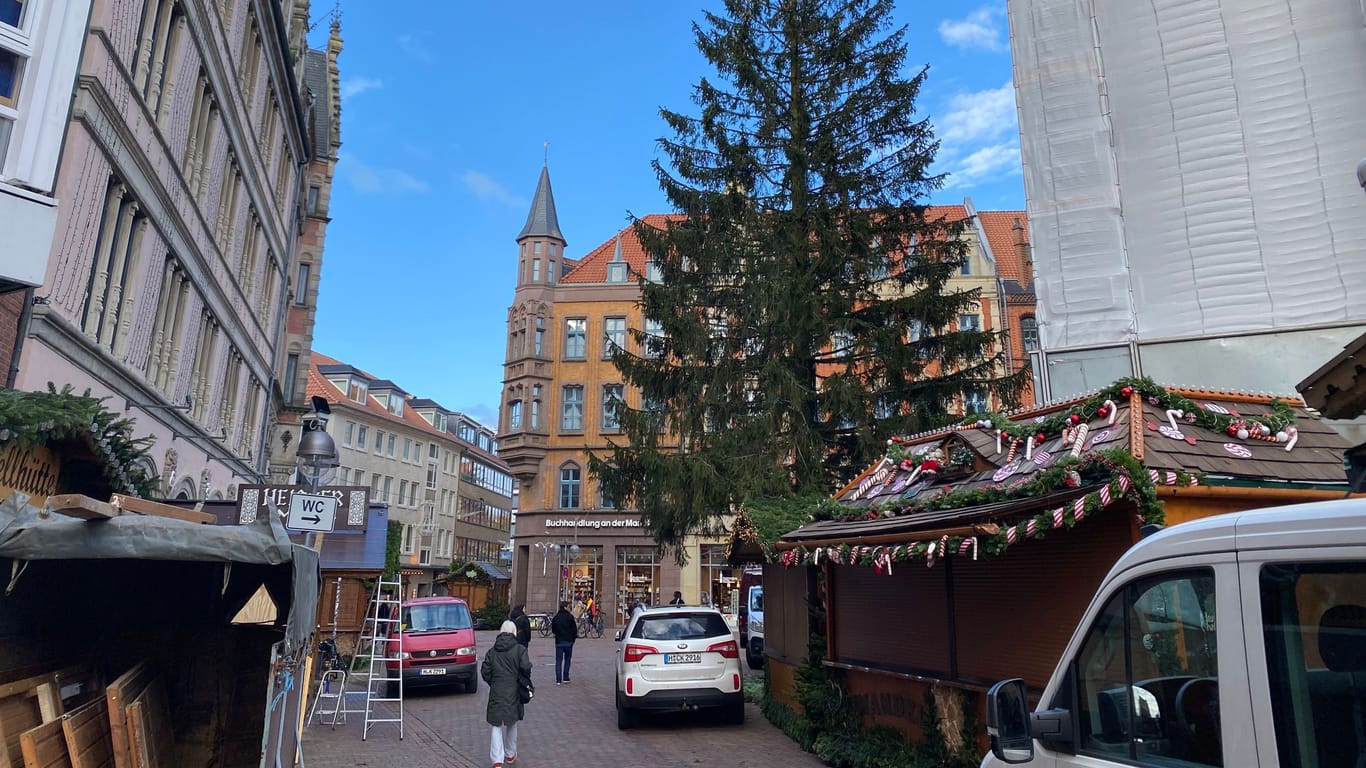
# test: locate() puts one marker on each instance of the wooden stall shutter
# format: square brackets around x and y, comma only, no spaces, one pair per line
[785,613]
[1015,613]
[896,621]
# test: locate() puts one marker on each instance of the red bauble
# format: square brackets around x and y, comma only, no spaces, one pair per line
[929,465]
[1103,411]
[1127,391]
[1233,430]
[1074,418]
[1041,437]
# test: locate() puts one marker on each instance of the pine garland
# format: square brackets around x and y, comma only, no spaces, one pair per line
[43,418]
[460,569]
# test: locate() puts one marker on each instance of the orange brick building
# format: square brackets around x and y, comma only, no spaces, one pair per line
[558,378]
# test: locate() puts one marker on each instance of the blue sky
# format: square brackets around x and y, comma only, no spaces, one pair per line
[446,109]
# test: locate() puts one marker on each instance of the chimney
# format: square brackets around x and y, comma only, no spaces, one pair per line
[1022,250]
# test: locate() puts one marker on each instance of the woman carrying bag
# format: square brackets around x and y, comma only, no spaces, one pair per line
[507,670]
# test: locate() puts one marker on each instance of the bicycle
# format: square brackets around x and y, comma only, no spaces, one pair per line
[586,624]
[541,623]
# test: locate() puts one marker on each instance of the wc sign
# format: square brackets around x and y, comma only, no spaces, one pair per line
[310,512]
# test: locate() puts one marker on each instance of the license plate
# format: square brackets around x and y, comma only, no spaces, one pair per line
[682,658]
[432,671]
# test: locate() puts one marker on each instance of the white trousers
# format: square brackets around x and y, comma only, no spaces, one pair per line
[504,743]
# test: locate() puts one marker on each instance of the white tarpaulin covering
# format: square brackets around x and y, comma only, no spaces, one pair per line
[1190,165]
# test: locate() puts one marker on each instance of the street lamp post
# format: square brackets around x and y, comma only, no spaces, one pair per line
[316,455]
[562,578]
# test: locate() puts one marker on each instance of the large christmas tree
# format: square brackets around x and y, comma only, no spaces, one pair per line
[798,309]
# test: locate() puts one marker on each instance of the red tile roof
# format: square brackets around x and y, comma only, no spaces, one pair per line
[592,268]
[999,227]
[320,386]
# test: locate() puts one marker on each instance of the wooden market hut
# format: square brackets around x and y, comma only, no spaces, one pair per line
[967,555]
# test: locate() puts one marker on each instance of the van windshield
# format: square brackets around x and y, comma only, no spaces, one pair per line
[756,600]
[436,617]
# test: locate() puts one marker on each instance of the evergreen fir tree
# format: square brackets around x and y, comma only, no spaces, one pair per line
[801,291]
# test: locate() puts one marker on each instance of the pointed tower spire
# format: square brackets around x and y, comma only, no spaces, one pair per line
[542,221]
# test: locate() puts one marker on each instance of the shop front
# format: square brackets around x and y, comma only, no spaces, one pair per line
[609,556]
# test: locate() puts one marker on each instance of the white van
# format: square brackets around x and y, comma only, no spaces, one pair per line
[1237,640]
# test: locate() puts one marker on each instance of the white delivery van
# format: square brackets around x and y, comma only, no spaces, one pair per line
[1237,640]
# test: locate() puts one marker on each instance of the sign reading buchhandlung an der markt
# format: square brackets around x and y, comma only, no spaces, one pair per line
[352,511]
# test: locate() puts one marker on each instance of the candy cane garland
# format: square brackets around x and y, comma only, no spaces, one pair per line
[884,562]
[1172,415]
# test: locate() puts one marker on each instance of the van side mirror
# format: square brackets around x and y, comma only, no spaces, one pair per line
[1008,722]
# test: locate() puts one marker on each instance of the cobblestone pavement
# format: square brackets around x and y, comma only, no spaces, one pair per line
[572,725]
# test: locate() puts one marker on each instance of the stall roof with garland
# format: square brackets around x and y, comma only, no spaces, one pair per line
[993,480]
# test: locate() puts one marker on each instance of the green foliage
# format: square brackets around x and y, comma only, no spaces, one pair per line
[393,545]
[774,516]
[44,418]
[755,689]
[797,728]
[494,612]
[460,569]
[799,187]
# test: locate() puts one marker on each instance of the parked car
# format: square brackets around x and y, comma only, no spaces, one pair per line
[754,651]
[749,577]
[437,645]
[1236,640]
[675,659]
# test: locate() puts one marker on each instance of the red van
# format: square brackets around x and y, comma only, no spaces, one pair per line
[437,645]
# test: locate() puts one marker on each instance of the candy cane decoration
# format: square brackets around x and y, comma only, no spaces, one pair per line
[1079,509]
[1000,436]
[968,543]
[1172,415]
[1057,517]
[1294,436]
[1029,449]
[1082,430]
[1110,411]
[885,561]
[1010,456]
[1010,534]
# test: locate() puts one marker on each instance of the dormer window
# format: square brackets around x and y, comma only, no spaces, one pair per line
[440,422]
[616,272]
[653,272]
[395,404]
[357,390]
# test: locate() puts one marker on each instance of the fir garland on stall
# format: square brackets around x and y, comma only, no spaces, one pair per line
[42,418]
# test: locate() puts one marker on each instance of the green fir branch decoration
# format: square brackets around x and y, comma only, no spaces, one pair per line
[55,416]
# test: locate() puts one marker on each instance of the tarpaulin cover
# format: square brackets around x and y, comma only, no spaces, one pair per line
[31,533]
[1189,165]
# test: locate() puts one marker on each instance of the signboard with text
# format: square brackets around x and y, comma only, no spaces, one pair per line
[349,513]
[30,469]
[596,523]
[311,512]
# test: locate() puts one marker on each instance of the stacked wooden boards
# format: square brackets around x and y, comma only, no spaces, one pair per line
[59,720]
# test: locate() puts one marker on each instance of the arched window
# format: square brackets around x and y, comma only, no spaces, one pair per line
[571,480]
[1029,333]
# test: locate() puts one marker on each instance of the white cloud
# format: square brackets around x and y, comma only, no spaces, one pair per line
[980,30]
[979,116]
[375,180]
[355,86]
[485,188]
[411,46]
[993,160]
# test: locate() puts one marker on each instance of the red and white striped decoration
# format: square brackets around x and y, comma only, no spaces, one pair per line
[1031,527]
[1079,508]
[1010,534]
[1105,495]
[1057,517]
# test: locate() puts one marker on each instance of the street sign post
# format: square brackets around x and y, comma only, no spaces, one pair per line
[351,510]
[311,512]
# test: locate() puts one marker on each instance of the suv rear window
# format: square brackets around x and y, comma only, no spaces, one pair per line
[436,616]
[680,626]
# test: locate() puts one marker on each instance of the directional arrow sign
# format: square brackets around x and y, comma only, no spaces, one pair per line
[308,512]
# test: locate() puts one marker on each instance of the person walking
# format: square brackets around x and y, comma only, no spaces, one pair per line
[566,632]
[503,664]
[678,599]
[523,622]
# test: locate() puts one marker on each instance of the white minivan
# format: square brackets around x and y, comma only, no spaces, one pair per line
[1238,640]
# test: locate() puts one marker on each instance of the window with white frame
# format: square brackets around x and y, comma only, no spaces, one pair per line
[616,272]
[361,435]
[1029,333]
[613,335]
[971,322]
[571,414]
[611,400]
[575,338]
[653,272]
[515,414]
[570,482]
[301,285]
[379,442]
[654,339]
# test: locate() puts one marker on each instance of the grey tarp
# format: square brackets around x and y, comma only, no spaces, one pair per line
[31,533]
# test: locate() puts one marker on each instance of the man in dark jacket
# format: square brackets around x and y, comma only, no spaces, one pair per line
[503,663]
[523,622]
[566,631]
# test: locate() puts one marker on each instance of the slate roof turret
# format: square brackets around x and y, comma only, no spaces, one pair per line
[541,221]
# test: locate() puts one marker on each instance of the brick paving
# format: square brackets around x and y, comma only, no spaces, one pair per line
[565,726]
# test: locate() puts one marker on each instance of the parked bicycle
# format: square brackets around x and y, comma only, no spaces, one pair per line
[540,622]
[588,625]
